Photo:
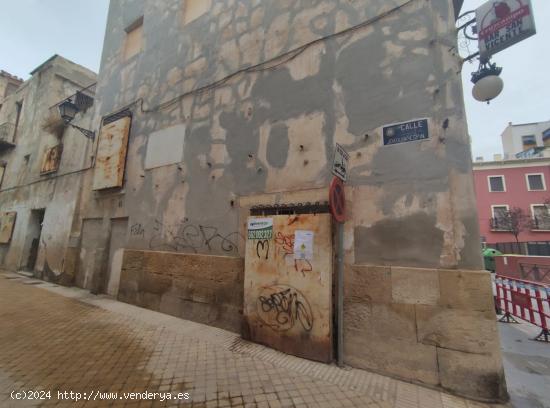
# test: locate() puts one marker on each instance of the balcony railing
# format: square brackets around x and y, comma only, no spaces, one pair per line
[83,99]
[500,224]
[7,132]
[541,224]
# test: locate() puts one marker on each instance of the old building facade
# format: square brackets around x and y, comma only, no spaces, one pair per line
[42,166]
[214,114]
[8,85]
[507,184]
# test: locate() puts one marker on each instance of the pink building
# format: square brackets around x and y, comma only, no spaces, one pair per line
[503,185]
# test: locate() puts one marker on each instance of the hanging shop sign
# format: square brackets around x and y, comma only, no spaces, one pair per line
[501,24]
[260,228]
[411,131]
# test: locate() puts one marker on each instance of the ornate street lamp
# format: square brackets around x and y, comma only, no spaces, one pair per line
[68,111]
[487,82]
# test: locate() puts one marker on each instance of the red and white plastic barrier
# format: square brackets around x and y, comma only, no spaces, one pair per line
[527,300]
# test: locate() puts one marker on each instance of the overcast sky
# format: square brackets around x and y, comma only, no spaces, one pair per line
[31,31]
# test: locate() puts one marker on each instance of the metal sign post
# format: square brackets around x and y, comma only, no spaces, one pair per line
[337,202]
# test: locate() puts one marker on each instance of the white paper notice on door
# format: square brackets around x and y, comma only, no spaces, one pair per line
[303,245]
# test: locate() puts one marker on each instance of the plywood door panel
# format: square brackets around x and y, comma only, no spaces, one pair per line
[288,301]
[111,154]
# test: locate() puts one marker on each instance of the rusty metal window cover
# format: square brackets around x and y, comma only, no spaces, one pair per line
[116,116]
[7,223]
[291,208]
[51,159]
[111,154]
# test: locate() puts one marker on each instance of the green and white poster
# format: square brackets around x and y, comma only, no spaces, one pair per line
[260,228]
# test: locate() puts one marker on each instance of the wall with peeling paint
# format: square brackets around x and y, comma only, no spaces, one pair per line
[334,72]
[24,188]
[275,130]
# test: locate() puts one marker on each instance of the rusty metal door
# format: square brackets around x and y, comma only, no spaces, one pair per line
[288,284]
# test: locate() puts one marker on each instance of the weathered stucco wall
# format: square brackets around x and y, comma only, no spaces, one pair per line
[258,132]
[275,130]
[24,188]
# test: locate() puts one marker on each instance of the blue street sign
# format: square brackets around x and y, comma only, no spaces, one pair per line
[406,132]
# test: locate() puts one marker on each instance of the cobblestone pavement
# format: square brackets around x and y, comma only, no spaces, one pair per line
[64,339]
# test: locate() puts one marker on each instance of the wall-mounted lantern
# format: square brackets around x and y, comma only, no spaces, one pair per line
[68,111]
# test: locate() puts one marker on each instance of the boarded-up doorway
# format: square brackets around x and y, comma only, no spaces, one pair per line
[91,252]
[288,284]
[117,241]
[34,231]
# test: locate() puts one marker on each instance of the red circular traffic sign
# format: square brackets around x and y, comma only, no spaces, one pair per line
[337,200]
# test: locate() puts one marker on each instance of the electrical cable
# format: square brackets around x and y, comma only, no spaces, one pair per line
[265,65]
[269,65]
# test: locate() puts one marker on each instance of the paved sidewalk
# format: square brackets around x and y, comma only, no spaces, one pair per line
[64,339]
[527,365]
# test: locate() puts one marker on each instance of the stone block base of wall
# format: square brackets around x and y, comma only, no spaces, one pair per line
[435,327]
[204,289]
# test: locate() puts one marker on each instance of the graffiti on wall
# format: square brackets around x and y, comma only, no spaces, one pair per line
[262,249]
[284,244]
[194,237]
[288,296]
[137,230]
[281,307]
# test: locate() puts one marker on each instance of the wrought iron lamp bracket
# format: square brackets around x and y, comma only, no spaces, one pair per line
[87,133]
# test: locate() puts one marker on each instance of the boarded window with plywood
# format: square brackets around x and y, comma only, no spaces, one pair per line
[193,9]
[7,222]
[111,154]
[51,160]
[133,43]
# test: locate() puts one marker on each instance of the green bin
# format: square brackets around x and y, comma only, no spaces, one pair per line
[489,258]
